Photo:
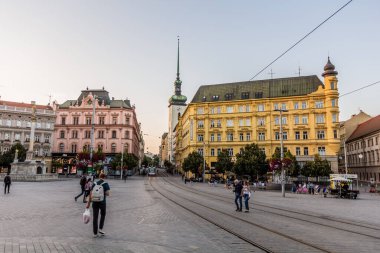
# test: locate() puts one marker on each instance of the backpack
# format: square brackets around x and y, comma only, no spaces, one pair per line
[82,181]
[97,193]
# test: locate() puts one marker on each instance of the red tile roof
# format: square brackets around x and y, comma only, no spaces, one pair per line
[17,104]
[365,128]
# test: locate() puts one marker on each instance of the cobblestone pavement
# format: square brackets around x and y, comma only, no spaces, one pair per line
[43,217]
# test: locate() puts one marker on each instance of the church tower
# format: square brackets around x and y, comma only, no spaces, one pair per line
[177,105]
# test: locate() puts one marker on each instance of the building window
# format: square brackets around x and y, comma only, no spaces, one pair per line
[275,106]
[18,123]
[47,138]
[47,125]
[127,136]
[219,151]
[230,136]
[75,122]
[101,134]
[304,105]
[319,104]
[335,134]
[74,134]
[229,96]
[113,148]
[298,151]
[86,147]
[114,134]
[87,134]
[296,106]
[322,151]
[261,136]
[218,123]
[248,137]
[88,120]
[101,121]
[304,135]
[284,135]
[244,95]
[212,123]
[262,150]
[114,120]
[100,147]
[241,108]
[230,123]
[305,151]
[200,123]
[260,108]
[200,110]
[212,110]
[230,109]
[62,134]
[320,134]
[17,136]
[277,136]
[73,148]
[305,119]
[297,134]
[230,151]
[334,117]
[219,137]
[283,106]
[259,94]
[320,118]
[284,120]
[247,108]
[260,121]
[212,138]
[61,148]
[241,122]
[27,138]
[241,136]
[218,110]
[334,102]
[296,120]
[276,121]
[215,98]
[63,121]
[212,152]
[200,151]
[127,120]
[332,85]
[247,122]
[200,137]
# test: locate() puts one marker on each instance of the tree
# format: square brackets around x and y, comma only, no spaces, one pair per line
[250,161]
[321,167]
[146,161]
[289,162]
[193,162]
[8,157]
[156,160]
[129,161]
[307,169]
[224,162]
[169,166]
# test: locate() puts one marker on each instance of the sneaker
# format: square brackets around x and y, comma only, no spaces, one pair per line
[95,235]
[246,211]
[101,232]
[75,199]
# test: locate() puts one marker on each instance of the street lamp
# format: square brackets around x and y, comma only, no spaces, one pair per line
[282,153]
[365,170]
[204,162]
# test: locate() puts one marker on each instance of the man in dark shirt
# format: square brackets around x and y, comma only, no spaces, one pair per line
[99,206]
[7,183]
[238,195]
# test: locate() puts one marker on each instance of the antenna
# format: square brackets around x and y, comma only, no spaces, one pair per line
[271,74]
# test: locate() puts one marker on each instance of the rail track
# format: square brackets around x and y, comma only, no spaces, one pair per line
[291,214]
[219,223]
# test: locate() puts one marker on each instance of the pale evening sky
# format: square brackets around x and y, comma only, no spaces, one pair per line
[129,47]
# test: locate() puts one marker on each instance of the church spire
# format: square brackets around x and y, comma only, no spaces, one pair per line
[178,98]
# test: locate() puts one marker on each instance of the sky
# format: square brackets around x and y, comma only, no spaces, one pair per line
[59,48]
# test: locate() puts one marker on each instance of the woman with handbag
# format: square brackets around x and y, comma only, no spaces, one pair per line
[246,192]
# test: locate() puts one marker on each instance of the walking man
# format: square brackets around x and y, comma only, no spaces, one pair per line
[238,195]
[100,190]
[82,183]
[7,183]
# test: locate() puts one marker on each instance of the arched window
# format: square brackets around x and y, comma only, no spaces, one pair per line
[61,147]
[113,148]
[126,148]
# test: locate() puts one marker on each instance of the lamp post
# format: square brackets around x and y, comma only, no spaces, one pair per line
[121,166]
[92,132]
[365,170]
[204,162]
[282,153]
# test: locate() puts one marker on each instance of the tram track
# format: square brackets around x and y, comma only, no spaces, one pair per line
[291,214]
[245,221]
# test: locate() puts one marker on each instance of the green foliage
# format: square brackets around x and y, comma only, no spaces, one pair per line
[130,161]
[169,166]
[289,162]
[7,158]
[147,161]
[251,161]
[193,162]
[156,160]
[316,168]
[224,162]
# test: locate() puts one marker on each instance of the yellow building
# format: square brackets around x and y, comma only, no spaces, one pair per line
[232,115]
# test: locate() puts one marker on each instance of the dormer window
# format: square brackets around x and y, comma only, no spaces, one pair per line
[229,96]
[258,94]
[215,97]
[204,99]
[244,95]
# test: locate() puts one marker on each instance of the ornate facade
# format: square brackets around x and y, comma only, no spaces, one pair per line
[115,126]
[15,127]
[229,116]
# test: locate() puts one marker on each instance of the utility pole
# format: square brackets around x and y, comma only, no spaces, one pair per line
[282,153]
[121,167]
[204,162]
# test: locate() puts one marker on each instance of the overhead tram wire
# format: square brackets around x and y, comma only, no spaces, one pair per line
[299,41]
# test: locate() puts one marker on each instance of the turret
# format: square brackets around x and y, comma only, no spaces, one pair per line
[329,74]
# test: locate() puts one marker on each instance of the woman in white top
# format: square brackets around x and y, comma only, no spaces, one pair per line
[246,192]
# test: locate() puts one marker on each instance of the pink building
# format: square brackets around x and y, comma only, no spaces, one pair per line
[115,127]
